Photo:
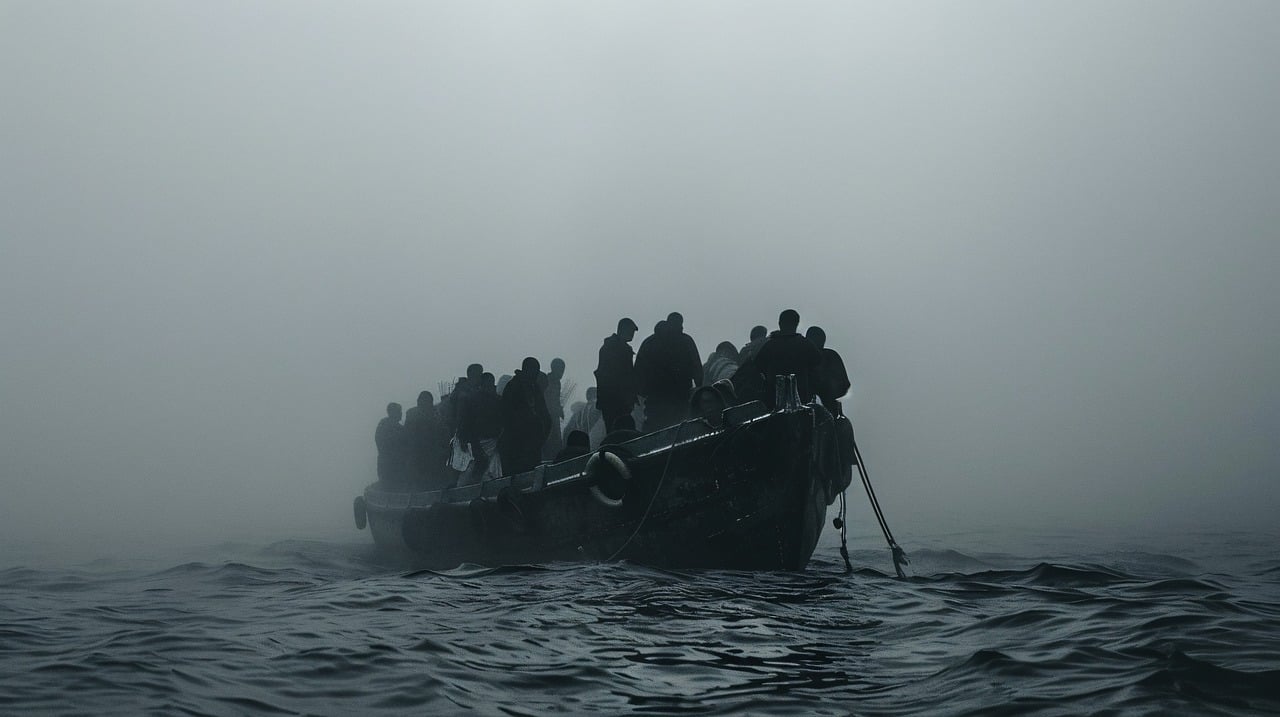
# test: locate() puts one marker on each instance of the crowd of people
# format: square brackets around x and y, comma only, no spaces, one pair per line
[483,427]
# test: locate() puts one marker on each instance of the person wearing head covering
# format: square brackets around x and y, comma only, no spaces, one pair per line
[389,438]
[721,364]
[832,379]
[708,404]
[615,373]
[586,417]
[787,352]
[555,409]
[668,366]
[525,421]
[576,444]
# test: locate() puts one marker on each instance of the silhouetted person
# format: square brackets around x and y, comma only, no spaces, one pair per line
[586,417]
[721,364]
[759,335]
[615,374]
[502,382]
[390,440]
[831,382]
[480,427]
[747,380]
[428,440]
[708,404]
[668,367]
[576,444]
[555,409]
[624,429]
[525,422]
[787,352]
[451,404]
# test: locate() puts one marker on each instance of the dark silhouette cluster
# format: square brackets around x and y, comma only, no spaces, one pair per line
[484,427]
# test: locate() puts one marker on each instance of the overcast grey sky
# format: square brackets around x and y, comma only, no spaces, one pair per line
[1044,236]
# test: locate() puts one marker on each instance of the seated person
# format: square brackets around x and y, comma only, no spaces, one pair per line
[624,429]
[708,404]
[577,443]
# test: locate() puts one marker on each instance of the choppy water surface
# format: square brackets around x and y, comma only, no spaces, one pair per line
[314,627]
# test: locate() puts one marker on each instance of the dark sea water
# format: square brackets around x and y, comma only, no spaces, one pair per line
[1055,624]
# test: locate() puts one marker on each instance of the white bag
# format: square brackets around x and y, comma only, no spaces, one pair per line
[460,458]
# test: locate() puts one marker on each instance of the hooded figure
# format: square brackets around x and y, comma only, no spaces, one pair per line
[832,380]
[525,421]
[615,373]
[787,352]
[721,364]
[668,367]
[555,409]
[586,418]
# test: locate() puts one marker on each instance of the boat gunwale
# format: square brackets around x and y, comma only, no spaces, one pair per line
[379,498]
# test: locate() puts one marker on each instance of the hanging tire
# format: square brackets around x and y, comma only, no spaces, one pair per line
[608,476]
[361,512]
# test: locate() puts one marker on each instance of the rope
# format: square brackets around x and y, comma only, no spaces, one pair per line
[657,489]
[899,555]
[843,525]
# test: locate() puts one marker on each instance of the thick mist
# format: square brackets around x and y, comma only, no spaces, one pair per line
[1044,237]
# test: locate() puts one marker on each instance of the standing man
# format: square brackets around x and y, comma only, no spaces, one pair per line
[555,409]
[832,379]
[525,421]
[616,383]
[390,440]
[668,367]
[787,352]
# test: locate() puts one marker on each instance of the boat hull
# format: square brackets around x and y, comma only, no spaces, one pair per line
[751,495]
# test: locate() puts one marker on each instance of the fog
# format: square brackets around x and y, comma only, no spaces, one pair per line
[1043,235]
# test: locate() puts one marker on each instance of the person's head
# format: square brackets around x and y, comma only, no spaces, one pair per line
[591,395]
[675,322]
[623,423]
[789,321]
[487,383]
[502,382]
[393,411]
[727,350]
[660,328]
[707,403]
[578,439]
[426,400]
[627,329]
[557,368]
[530,365]
[474,371]
[725,388]
[759,332]
[817,336]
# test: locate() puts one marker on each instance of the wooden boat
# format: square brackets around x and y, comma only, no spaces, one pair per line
[747,492]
